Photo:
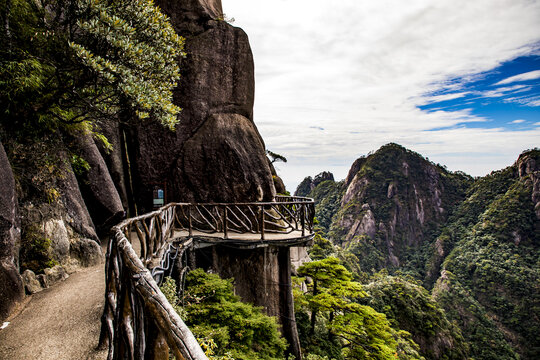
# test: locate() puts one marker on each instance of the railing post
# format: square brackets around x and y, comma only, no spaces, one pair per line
[225,234]
[190,226]
[262,222]
[294,208]
[303,218]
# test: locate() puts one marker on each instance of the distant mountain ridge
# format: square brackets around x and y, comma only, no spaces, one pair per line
[474,242]
[490,278]
[395,199]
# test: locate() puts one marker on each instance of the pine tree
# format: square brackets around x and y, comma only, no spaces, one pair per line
[82,61]
[361,332]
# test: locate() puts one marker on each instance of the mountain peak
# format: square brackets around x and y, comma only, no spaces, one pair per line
[309,183]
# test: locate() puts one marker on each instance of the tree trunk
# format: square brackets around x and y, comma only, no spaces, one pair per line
[288,319]
[313,311]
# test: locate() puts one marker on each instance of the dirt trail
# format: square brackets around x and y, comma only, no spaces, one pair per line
[59,323]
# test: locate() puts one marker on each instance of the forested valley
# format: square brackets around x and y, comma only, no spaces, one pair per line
[445,265]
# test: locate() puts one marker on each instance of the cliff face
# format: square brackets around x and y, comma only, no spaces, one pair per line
[489,280]
[398,200]
[76,188]
[51,231]
[216,153]
[475,244]
[11,287]
[97,186]
[528,166]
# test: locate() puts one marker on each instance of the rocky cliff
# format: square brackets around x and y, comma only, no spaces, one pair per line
[48,213]
[475,244]
[490,274]
[397,201]
[216,153]
[72,187]
[11,287]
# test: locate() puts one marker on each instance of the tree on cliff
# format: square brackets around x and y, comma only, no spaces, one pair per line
[275,156]
[79,61]
[337,321]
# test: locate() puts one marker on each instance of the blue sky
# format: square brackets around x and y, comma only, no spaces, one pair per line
[506,97]
[336,80]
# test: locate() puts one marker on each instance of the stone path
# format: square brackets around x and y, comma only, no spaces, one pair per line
[59,323]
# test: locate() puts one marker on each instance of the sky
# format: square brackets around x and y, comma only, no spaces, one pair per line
[457,81]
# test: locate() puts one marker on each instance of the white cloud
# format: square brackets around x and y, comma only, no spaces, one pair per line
[359,68]
[531,75]
[518,121]
[445,97]
[503,91]
[532,101]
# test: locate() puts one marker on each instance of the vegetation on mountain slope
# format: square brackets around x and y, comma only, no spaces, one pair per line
[481,257]
[481,193]
[418,322]
[332,323]
[496,261]
[391,208]
[327,196]
[410,307]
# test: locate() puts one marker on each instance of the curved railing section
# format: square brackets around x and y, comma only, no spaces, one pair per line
[287,218]
[138,322]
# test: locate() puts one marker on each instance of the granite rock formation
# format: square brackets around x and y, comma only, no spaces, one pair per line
[529,172]
[76,212]
[224,162]
[97,187]
[11,287]
[52,216]
[115,159]
[309,184]
[216,94]
[397,199]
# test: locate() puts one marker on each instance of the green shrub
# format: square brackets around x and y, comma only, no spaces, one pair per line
[34,254]
[228,327]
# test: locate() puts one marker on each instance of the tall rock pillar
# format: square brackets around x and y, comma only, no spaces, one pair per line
[217,153]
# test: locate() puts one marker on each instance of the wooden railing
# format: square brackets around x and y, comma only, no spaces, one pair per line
[138,322]
[230,221]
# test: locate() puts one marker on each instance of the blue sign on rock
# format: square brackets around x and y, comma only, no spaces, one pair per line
[159,198]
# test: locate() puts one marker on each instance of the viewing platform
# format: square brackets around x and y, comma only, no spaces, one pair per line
[144,248]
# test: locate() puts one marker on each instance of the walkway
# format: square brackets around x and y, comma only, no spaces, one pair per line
[63,322]
[59,323]
[243,240]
